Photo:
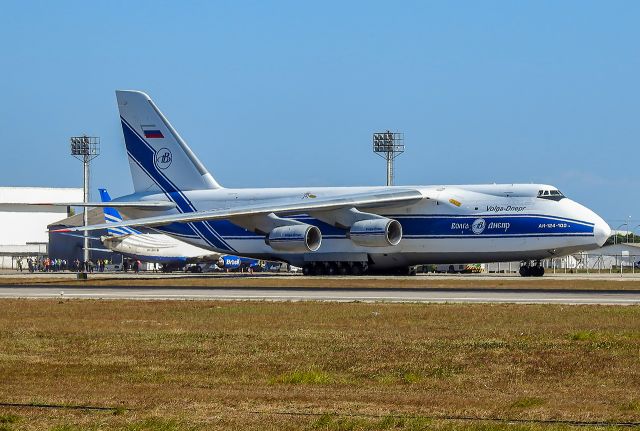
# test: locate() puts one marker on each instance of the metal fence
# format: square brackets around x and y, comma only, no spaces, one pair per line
[583,263]
[595,263]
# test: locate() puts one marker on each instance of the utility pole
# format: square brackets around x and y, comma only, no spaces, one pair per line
[388,145]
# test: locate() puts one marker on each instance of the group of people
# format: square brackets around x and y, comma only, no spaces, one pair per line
[42,264]
[90,266]
[46,264]
[134,265]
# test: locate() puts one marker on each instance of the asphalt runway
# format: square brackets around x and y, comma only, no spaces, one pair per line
[440,295]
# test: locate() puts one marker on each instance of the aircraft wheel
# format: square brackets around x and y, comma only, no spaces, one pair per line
[356,269]
[316,269]
[332,269]
[525,271]
[306,270]
[343,269]
[538,271]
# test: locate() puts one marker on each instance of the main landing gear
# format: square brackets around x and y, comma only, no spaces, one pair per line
[335,268]
[529,270]
[352,268]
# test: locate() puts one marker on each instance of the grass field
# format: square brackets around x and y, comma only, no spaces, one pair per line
[180,365]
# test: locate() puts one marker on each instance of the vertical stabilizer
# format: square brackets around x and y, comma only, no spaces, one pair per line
[111,215]
[159,159]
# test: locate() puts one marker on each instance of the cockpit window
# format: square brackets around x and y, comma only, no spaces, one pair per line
[551,194]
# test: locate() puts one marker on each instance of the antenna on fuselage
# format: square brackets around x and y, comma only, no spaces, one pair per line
[388,145]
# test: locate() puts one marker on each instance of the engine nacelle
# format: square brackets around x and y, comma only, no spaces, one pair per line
[296,238]
[378,232]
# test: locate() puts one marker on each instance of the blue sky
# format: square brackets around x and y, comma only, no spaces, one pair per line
[288,93]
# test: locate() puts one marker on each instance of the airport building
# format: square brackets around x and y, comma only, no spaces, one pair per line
[23,227]
[623,255]
[69,247]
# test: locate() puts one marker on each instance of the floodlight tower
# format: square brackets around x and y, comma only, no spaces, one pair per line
[85,148]
[388,145]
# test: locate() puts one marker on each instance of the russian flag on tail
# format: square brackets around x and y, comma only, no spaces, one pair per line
[152,132]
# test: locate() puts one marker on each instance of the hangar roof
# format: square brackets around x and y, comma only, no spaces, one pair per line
[96,216]
[10,195]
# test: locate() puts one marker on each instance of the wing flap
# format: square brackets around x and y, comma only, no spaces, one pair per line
[377,199]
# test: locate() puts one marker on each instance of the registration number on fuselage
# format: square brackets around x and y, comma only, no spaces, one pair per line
[553,226]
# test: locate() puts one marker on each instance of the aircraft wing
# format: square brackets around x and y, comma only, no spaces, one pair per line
[153,205]
[298,205]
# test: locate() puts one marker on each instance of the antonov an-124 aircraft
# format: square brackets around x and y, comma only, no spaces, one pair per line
[340,230]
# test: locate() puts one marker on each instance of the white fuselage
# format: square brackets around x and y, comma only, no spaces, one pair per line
[157,248]
[462,224]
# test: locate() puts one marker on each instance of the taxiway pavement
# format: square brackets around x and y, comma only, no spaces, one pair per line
[438,295]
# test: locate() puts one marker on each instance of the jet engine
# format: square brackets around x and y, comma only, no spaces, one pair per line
[377,232]
[295,238]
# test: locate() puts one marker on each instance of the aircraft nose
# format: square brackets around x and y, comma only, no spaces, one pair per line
[601,231]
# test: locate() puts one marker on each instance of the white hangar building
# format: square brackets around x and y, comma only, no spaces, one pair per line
[23,228]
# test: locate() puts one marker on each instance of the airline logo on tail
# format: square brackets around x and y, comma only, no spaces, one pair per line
[163,158]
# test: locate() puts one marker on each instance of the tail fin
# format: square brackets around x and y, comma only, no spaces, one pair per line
[159,159]
[111,215]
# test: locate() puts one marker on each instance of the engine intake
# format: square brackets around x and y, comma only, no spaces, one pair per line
[296,238]
[379,232]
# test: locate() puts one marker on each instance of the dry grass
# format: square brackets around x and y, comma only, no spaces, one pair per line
[271,281]
[316,366]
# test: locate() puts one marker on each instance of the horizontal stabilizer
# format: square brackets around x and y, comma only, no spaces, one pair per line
[76,235]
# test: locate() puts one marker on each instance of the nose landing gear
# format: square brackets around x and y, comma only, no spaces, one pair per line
[529,270]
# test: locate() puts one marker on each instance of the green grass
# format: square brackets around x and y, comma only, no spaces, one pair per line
[411,377]
[9,418]
[306,377]
[631,406]
[583,336]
